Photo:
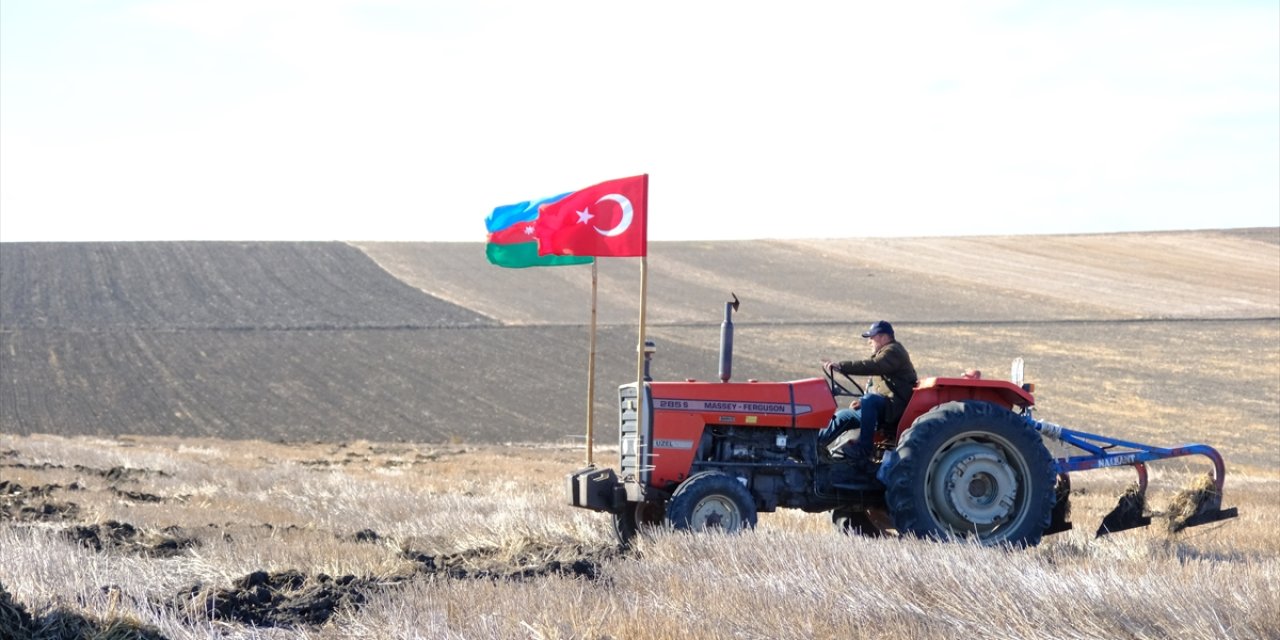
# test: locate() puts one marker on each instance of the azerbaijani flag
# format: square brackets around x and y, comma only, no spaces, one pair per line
[511,240]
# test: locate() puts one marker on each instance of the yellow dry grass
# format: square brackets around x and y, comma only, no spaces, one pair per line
[499,511]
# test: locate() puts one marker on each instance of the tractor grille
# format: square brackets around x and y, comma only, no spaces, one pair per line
[631,440]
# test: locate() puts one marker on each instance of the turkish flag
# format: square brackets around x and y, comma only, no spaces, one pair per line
[608,219]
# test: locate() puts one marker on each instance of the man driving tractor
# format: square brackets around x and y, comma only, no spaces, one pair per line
[885,399]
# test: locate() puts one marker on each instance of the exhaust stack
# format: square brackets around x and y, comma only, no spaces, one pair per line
[726,339]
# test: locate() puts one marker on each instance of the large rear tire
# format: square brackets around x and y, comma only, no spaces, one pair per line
[712,500]
[972,470]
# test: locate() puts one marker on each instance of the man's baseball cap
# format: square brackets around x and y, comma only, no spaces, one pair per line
[878,328]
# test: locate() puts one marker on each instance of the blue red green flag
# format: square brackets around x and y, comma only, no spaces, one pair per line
[511,242]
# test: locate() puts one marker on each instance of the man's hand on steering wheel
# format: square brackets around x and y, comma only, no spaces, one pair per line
[830,369]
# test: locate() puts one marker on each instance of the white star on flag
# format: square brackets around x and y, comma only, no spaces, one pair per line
[584,215]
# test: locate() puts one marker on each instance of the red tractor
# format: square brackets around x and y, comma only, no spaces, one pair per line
[967,460]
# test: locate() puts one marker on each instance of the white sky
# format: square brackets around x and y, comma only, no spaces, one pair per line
[411,120]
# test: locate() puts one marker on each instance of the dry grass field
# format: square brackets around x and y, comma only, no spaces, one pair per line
[322,440]
[190,538]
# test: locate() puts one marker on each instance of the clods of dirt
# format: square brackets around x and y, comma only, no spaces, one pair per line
[117,474]
[366,535]
[19,503]
[534,562]
[16,623]
[137,496]
[114,474]
[123,536]
[13,489]
[291,598]
[279,599]
[1199,497]
[48,511]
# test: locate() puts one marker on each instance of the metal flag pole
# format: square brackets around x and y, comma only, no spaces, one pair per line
[591,366]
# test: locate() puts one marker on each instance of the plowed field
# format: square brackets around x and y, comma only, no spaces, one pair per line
[1169,336]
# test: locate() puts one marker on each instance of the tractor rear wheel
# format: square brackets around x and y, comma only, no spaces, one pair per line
[635,517]
[712,500]
[972,470]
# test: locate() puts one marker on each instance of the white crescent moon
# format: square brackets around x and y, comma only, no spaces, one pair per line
[624,223]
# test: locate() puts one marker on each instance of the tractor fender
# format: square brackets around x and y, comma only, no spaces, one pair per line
[932,393]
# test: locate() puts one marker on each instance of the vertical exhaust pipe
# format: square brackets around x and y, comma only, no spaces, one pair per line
[649,348]
[726,339]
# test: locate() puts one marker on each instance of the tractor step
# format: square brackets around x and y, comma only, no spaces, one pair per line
[871,485]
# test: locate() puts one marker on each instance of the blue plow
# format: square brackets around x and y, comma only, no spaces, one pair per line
[1195,506]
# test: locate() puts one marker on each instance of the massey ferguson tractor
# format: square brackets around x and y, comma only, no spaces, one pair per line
[967,460]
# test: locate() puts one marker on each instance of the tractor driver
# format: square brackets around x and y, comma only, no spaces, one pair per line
[886,396]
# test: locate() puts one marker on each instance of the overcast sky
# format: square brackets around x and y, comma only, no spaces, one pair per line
[388,120]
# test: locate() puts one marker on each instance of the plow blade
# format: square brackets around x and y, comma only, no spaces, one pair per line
[1209,516]
[1060,519]
[1192,507]
[1199,504]
[1129,513]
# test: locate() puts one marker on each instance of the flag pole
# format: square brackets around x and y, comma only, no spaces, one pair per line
[591,367]
[641,446]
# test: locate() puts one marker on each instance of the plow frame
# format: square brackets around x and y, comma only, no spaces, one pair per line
[1104,452]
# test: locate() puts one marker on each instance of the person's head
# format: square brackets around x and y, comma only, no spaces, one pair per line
[880,334]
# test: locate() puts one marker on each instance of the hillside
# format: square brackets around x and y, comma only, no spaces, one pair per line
[1205,274]
[427,342]
[183,286]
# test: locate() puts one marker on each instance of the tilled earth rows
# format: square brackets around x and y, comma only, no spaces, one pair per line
[264,598]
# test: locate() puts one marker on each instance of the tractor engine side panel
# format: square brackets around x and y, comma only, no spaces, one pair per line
[753,430]
[804,404]
[675,439]
[775,463]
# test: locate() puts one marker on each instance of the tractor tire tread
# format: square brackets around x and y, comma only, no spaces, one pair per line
[929,432]
[703,484]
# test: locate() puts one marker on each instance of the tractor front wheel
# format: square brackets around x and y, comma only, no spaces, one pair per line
[972,470]
[634,517]
[712,500]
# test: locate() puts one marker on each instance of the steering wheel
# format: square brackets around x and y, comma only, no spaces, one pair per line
[837,387]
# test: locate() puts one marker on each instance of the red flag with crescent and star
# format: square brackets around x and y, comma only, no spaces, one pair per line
[604,220]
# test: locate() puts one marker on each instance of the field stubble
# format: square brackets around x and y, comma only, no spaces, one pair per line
[366,539]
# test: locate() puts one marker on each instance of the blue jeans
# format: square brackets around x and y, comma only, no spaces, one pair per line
[867,415]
